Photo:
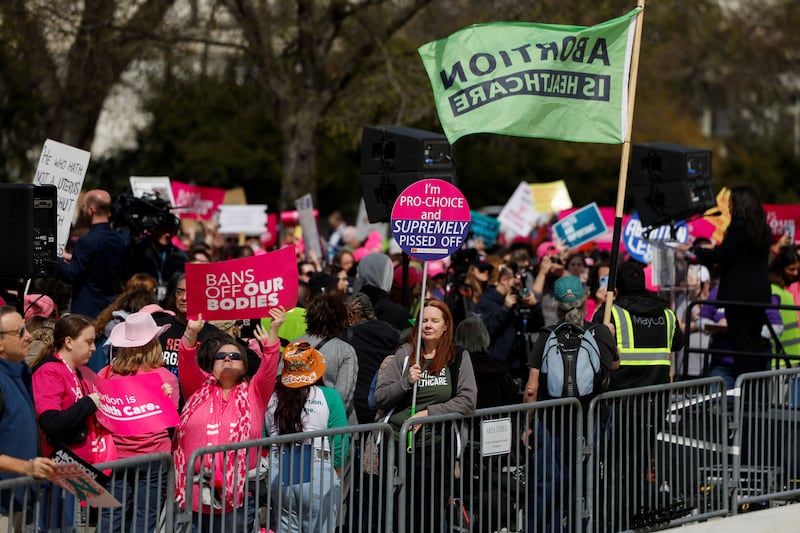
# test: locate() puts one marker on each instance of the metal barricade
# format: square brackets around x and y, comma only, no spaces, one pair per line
[766,438]
[294,482]
[511,468]
[659,456]
[647,458]
[143,485]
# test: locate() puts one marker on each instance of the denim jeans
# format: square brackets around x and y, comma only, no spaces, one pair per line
[310,506]
[140,489]
[240,519]
[57,509]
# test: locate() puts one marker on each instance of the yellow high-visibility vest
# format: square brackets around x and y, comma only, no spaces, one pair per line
[631,355]
[790,337]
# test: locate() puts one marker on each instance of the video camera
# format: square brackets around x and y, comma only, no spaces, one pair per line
[143,216]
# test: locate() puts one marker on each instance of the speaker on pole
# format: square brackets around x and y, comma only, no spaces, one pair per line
[670,182]
[394,157]
[29,236]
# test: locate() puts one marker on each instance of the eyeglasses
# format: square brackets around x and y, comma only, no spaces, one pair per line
[20,332]
[307,272]
[234,356]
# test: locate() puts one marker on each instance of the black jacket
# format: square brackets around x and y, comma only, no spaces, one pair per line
[385,309]
[372,340]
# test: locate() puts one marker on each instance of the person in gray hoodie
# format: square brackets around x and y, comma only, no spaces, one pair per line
[374,278]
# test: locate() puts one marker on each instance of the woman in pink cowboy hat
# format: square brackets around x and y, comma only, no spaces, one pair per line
[137,351]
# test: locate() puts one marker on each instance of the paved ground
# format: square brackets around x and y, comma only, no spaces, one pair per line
[775,520]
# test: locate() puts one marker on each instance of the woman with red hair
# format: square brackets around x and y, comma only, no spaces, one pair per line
[445,383]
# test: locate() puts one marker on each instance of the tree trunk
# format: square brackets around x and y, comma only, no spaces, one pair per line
[299,174]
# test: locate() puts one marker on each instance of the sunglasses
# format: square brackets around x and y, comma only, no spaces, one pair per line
[234,356]
[20,332]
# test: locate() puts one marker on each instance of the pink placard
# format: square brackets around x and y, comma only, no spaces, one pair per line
[242,288]
[196,202]
[135,405]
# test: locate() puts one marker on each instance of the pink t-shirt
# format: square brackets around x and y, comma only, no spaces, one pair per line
[156,442]
[57,388]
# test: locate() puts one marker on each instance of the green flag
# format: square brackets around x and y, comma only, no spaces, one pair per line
[534,80]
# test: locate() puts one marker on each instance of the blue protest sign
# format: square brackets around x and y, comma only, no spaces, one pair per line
[485,227]
[580,226]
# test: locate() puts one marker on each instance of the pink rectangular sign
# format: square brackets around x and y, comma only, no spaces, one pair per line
[134,405]
[196,202]
[242,288]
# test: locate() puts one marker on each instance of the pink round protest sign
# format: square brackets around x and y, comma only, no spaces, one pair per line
[430,219]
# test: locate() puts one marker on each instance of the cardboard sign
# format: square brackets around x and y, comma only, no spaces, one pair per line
[518,215]
[581,226]
[550,197]
[195,202]
[135,405]
[311,242]
[65,167]
[78,477]
[247,219]
[242,288]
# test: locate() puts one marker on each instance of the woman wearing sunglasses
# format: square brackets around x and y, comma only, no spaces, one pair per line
[222,407]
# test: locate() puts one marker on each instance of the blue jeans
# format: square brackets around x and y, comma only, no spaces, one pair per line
[726,372]
[309,506]
[140,489]
[238,520]
[56,510]
[544,500]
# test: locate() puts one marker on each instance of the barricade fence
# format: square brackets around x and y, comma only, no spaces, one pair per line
[659,456]
[766,438]
[647,458]
[139,484]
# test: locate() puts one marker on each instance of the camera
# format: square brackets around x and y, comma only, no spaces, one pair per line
[143,215]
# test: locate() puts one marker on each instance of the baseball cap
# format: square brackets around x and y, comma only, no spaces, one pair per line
[568,289]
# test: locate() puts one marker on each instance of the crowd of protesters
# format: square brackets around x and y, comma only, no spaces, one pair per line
[98,316]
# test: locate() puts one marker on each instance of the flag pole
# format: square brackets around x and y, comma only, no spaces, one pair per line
[623,164]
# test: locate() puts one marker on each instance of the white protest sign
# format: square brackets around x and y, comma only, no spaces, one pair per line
[65,167]
[248,219]
[495,437]
[159,186]
[305,213]
[518,215]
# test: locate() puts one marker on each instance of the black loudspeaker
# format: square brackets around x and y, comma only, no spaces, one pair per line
[670,182]
[29,235]
[381,190]
[394,157]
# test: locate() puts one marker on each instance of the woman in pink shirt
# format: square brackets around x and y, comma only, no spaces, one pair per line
[66,402]
[136,350]
[222,407]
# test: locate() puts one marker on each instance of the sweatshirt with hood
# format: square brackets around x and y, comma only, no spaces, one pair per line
[374,278]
